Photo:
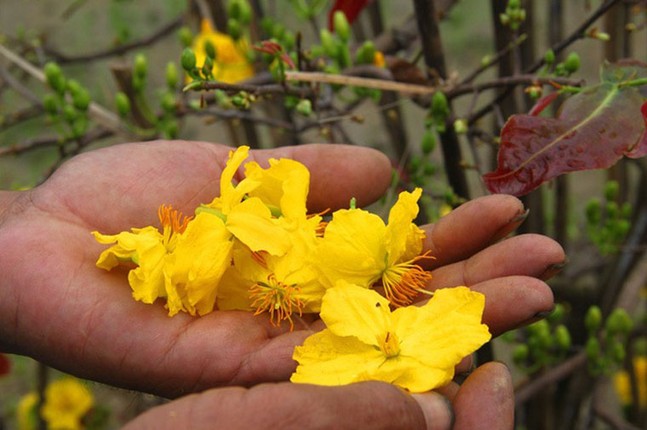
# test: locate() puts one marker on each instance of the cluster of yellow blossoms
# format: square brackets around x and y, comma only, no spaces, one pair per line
[255,247]
[66,403]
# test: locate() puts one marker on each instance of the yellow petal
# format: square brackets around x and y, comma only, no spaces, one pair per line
[327,359]
[445,329]
[403,238]
[352,248]
[412,375]
[349,310]
[251,223]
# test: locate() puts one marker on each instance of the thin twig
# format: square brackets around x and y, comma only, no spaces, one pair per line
[380,84]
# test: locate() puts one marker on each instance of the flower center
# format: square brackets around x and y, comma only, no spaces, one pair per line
[277,298]
[390,345]
[173,223]
[403,281]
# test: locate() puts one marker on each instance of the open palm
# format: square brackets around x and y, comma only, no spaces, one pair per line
[57,307]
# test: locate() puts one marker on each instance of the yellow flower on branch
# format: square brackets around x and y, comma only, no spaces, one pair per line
[622,382]
[359,248]
[67,401]
[231,63]
[413,347]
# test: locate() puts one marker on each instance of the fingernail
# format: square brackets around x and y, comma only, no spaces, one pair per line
[553,270]
[519,218]
[437,410]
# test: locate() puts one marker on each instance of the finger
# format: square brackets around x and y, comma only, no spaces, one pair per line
[527,255]
[514,301]
[337,173]
[471,227]
[373,405]
[485,400]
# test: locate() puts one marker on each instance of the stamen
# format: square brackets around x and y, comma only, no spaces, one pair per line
[276,298]
[404,281]
[170,217]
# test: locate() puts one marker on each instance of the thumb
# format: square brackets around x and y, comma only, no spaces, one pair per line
[365,405]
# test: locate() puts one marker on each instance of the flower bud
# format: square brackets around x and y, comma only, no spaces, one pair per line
[572,63]
[365,54]
[209,49]
[593,349]
[50,103]
[122,103]
[188,60]
[234,28]
[428,143]
[168,102]
[240,10]
[557,314]
[70,113]
[304,107]
[439,105]
[460,126]
[341,26]
[619,322]
[549,57]
[54,77]
[140,67]
[328,43]
[611,190]
[171,75]
[81,99]
[186,36]
[593,211]
[593,319]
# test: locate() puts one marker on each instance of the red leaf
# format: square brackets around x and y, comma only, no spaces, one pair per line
[593,130]
[5,364]
[351,9]
[640,149]
[543,103]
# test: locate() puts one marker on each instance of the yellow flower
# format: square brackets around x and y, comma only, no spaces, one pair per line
[358,247]
[279,285]
[246,217]
[26,412]
[146,247]
[623,385]
[231,63]
[415,348]
[67,401]
[183,263]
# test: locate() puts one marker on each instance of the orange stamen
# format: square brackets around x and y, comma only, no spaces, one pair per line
[276,298]
[404,281]
[170,217]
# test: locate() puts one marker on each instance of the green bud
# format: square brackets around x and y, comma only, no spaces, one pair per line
[79,126]
[593,319]
[617,351]
[428,143]
[365,53]
[520,354]
[186,36]
[619,322]
[429,168]
[514,4]
[168,102]
[562,337]
[54,77]
[209,49]
[207,67]
[572,63]
[549,57]
[140,67]
[341,26]
[304,107]
[188,60]
[122,103]
[234,28]
[50,103]
[439,105]
[557,314]
[613,210]
[626,209]
[414,163]
[611,190]
[73,86]
[70,113]
[593,349]
[328,43]
[81,99]
[240,10]
[171,75]
[460,126]
[594,211]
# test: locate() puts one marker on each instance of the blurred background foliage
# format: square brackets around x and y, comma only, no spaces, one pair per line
[81,74]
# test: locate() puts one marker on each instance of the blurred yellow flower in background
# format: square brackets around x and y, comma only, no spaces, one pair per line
[231,63]
[623,385]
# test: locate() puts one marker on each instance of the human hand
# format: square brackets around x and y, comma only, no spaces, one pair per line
[57,307]
[484,401]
